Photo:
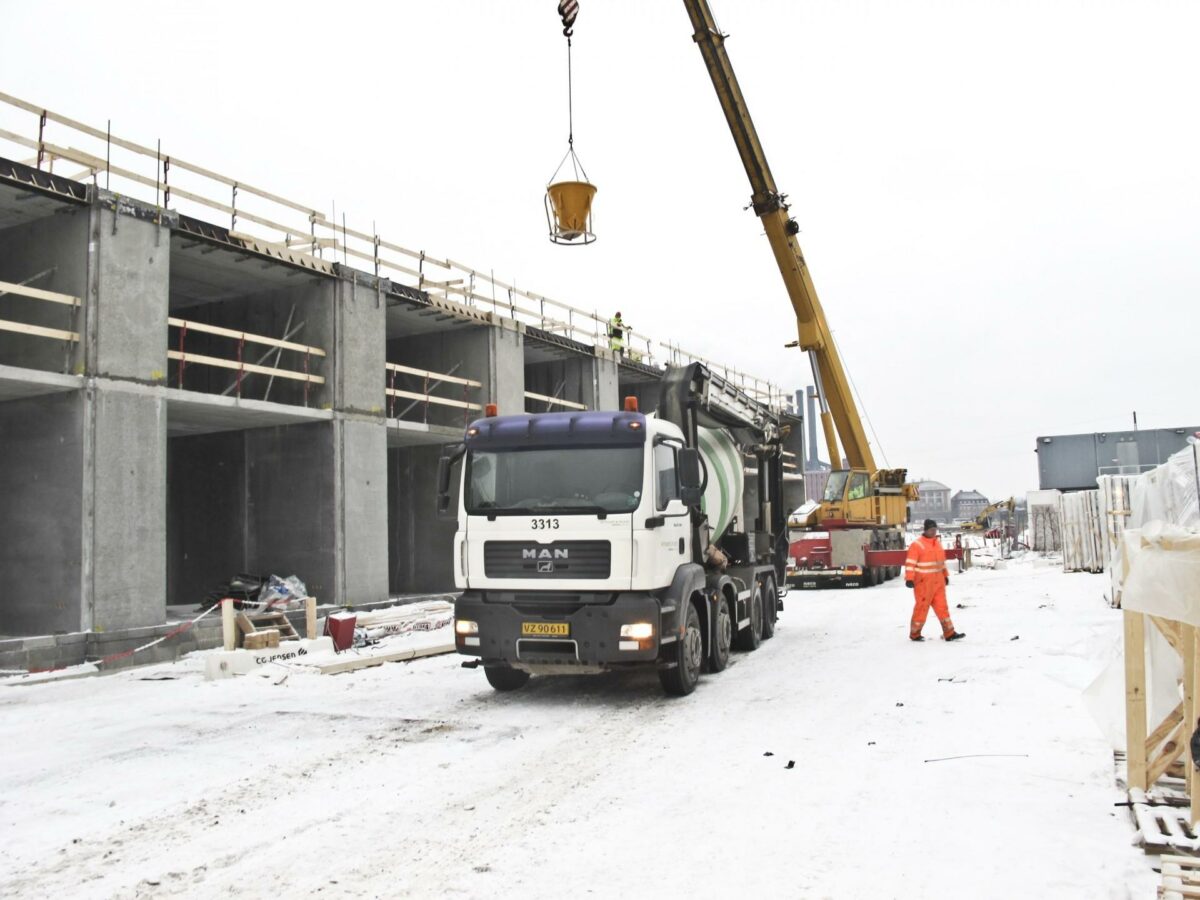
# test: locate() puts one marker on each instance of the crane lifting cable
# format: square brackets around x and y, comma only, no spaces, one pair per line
[569,202]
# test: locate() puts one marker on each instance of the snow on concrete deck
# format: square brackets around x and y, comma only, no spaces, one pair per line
[417,780]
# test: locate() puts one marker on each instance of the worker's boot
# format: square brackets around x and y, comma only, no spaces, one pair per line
[948,632]
[914,632]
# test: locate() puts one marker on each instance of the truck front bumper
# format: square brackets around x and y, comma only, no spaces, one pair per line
[561,633]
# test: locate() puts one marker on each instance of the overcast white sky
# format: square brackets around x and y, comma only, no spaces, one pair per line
[998,200]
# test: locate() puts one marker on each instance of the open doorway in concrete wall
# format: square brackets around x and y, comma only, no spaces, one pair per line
[563,375]
[250,500]
[44,270]
[640,381]
[246,326]
[42,514]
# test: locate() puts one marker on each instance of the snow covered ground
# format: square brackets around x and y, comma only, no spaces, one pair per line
[416,779]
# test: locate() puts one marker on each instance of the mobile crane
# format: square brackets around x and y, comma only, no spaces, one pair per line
[864,508]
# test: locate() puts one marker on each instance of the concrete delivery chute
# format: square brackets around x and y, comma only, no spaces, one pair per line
[594,541]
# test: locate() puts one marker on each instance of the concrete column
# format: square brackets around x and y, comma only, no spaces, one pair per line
[124,507]
[606,392]
[126,308]
[360,349]
[362,510]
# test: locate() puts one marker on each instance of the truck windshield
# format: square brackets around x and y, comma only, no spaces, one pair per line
[558,479]
[835,486]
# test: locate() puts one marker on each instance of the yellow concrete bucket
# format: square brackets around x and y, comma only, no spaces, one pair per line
[569,211]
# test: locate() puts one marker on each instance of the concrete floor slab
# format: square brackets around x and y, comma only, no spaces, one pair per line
[416,434]
[17,383]
[191,413]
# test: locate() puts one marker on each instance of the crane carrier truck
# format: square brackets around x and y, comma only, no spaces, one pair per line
[598,540]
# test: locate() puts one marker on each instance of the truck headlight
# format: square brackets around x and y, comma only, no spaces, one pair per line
[638,631]
[466,626]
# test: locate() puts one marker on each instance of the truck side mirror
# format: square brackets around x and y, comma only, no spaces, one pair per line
[450,455]
[691,476]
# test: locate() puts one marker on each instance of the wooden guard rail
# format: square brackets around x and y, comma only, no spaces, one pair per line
[307,237]
[554,401]
[30,293]
[425,397]
[239,365]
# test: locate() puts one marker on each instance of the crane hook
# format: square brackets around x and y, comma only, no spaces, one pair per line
[568,10]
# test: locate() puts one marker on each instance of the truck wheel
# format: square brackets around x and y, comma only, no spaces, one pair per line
[504,679]
[770,610]
[868,576]
[680,680]
[751,636]
[722,643]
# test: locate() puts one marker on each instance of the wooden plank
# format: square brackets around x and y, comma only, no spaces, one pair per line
[7,287]
[244,336]
[243,367]
[1189,698]
[228,627]
[1171,751]
[364,662]
[244,624]
[461,404]
[1194,658]
[38,331]
[452,379]
[570,404]
[1165,727]
[1135,700]
[310,617]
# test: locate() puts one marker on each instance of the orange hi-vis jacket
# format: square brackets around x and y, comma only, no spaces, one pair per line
[926,559]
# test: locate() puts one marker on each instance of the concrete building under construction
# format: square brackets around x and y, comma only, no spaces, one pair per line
[181,400]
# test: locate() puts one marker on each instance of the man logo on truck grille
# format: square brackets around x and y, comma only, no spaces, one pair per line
[543,553]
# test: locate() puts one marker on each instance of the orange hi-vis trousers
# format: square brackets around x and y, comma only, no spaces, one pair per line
[925,567]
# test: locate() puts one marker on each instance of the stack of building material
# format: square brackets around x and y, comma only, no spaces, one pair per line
[1082,530]
[1044,527]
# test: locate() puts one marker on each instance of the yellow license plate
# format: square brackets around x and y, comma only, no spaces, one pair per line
[545,629]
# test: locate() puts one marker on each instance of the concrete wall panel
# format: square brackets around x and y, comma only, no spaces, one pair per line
[128,329]
[41,514]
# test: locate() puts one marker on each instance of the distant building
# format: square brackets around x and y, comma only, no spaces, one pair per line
[967,505]
[1071,462]
[933,502]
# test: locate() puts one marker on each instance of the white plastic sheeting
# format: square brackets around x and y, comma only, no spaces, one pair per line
[1105,697]
[1171,492]
[1082,530]
[1162,572]
[1160,550]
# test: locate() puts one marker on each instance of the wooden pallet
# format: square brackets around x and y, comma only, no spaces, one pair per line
[1163,826]
[1180,877]
[256,629]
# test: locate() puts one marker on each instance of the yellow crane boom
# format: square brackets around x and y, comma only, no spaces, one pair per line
[838,409]
[865,497]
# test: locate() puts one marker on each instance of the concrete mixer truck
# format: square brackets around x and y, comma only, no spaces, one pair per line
[595,540]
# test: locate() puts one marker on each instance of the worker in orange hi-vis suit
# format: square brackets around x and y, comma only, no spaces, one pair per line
[925,572]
